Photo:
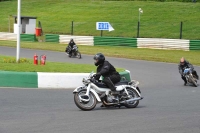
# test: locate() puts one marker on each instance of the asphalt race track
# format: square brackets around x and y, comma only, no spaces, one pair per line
[168,106]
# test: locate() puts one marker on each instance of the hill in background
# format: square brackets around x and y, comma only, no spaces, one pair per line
[158,20]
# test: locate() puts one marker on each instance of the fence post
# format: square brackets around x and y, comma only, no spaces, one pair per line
[181,26]
[101,33]
[72,28]
[138,30]
[40,26]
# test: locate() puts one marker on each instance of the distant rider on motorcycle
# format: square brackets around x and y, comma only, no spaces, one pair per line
[70,46]
[185,64]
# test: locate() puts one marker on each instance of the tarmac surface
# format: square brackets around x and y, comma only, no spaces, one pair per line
[168,106]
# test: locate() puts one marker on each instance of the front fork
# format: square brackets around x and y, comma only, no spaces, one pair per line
[88,92]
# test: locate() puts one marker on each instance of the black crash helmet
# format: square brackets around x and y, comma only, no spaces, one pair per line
[71,40]
[99,59]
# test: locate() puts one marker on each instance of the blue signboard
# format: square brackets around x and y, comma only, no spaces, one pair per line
[104,26]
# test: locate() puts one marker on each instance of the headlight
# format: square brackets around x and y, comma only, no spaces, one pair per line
[85,81]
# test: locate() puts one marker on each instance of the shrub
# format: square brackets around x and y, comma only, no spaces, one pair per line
[13,60]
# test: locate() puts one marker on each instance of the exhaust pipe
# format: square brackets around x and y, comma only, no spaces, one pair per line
[132,100]
[109,104]
[124,102]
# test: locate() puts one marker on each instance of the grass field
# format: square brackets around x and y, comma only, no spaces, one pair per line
[26,65]
[172,56]
[159,19]
[8,63]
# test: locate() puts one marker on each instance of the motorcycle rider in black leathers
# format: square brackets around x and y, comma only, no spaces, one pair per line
[182,66]
[70,46]
[105,69]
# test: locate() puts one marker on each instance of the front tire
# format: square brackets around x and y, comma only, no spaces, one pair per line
[78,54]
[194,81]
[83,105]
[134,94]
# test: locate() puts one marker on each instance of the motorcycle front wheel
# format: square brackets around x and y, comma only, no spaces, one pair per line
[133,94]
[194,81]
[78,55]
[86,106]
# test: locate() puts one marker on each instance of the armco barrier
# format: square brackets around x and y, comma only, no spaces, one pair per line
[28,37]
[79,40]
[51,38]
[158,43]
[152,43]
[46,80]
[115,41]
[8,36]
[194,44]
[13,37]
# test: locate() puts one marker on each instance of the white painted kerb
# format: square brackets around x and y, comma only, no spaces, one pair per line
[60,80]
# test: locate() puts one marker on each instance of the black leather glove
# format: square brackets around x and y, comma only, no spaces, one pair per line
[97,75]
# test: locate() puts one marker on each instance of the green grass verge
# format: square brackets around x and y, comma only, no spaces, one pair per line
[7,63]
[159,19]
[170,56]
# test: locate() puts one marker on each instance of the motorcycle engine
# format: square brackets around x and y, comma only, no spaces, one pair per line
[111,99]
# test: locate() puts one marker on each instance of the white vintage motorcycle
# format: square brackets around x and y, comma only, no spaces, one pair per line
[86,97]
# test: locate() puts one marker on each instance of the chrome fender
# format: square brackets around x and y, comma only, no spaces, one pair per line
[79,89]
[91,90]
[129,86]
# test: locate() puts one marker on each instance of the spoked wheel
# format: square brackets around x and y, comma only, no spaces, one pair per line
[133,94]
[85,105]
[78,55]
[194,80]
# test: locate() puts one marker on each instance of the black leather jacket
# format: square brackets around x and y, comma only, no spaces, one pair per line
[106,70]
[186,65]
[71,44]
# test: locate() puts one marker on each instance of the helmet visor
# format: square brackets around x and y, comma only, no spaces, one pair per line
[95,61]
[182,63]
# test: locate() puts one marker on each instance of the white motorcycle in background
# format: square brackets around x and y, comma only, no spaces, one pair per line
[86,97]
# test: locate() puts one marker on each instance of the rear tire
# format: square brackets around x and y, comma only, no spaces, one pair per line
[85,106]
[134,94]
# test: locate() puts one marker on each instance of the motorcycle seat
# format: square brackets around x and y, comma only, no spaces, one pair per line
[101,85]
[122,83]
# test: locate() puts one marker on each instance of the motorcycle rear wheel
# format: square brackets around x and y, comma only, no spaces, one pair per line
[83,105]
[134,94]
